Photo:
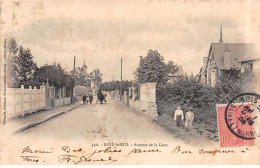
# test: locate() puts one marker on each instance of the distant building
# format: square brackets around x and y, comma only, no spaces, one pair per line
[81,75]
[251,63]
[223,56]
[172,77]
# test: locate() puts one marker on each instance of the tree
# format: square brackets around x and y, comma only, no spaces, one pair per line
[55,74]
[115,85]
[24,66]
[12,47]
[151,68]
[96,77]
[171,67]
[81,76]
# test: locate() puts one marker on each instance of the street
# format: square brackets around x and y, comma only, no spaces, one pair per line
[111,121]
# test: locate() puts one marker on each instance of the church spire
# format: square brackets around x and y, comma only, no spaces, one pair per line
[84,64]
[220,40]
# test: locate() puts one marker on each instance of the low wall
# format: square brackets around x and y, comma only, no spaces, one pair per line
[136,105]
[148,108]
[62,102]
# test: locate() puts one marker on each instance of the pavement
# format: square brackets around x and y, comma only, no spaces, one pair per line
[19,124]
[111,121]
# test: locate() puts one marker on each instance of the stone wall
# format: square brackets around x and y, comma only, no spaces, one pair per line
[147,103]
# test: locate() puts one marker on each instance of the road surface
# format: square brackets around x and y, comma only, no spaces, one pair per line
[110,121]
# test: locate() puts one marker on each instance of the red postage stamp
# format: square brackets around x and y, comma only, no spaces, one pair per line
[235,122]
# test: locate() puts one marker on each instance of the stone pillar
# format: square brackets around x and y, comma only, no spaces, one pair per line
[14,102]
[30,92]
[43,95]
[63,95]
[22,100]
[129,92]
[52,96]
[34,100]
[125,97]
[148,99]
[133,92]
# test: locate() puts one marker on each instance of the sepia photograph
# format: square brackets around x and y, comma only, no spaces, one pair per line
[120,82]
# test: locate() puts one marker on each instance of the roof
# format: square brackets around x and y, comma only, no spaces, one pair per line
[237,51]
[251,57]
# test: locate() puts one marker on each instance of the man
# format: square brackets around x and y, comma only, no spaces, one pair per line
[100,97]
[104,97]
[90,98]
[84,98]
[189,116]
[178,116]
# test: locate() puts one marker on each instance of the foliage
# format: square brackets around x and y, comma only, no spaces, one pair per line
[96,77]
[115,85]
[185,91]
[81,76]
[151,68]
[188,91]
[81,90]
[229,84]
[12,50]
[24,66]
[56,76]
[171,67]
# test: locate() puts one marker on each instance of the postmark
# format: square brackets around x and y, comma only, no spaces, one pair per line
[242,116]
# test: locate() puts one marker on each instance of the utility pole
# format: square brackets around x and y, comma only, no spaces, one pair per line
[121,81]
[74,64]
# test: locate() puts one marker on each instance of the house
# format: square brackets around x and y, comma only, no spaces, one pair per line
[251,63]
[172,77]
[223,56]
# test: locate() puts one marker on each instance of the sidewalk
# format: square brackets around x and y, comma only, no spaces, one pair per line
[20,124]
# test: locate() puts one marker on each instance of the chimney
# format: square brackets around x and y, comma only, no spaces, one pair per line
[205,59]
[227,59]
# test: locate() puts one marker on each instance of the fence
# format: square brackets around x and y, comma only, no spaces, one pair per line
[21,101]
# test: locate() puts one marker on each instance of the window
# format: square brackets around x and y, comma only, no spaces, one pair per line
[250,66]
[213,78]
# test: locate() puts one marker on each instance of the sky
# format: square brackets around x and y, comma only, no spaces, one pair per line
[102,32]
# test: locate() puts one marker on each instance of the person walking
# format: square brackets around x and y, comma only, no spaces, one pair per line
[90,98]
[84,98]
[104,97]
[189,116]
[178,116]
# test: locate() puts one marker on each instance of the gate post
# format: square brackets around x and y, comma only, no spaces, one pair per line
[22,99]
[30,93]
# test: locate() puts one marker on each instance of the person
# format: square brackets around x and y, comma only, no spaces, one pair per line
[104,97]
[84,98]
[90,98]
[178,116]
[100,97]
[189,116]
[87,97]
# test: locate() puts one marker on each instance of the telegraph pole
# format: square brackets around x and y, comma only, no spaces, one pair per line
[74,64]
[121,81]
